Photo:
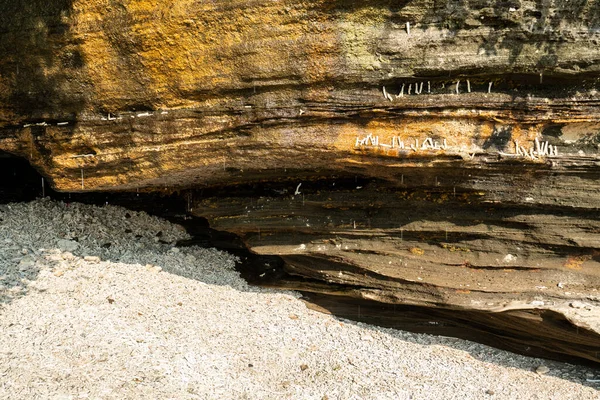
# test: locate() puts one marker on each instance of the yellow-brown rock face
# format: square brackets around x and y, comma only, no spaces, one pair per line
[130,94]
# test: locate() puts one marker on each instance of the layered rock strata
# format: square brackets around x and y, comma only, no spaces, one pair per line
[104,95]
[462,139]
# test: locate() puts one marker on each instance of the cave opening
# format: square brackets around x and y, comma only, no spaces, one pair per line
[19,181]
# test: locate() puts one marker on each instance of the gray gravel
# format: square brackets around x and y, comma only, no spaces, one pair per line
[142,319]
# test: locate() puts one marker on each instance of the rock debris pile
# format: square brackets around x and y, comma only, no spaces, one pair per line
[97,302]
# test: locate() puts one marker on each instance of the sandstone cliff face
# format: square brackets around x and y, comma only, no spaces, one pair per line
[463,138]
[181,92]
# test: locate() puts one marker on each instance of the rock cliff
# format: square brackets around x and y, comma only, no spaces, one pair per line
[139,93]
[428,153]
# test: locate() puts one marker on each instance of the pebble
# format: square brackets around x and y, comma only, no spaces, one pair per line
[67,245]
[542,369]
[509,258]
[26,263]
[366,338]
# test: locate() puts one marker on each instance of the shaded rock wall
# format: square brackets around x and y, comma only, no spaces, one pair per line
[498,254]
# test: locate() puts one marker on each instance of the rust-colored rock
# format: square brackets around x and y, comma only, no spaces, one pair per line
[136,93]
[424,154]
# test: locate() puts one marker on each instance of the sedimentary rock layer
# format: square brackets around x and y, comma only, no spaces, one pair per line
[103,95]
[522,270]
[429,153]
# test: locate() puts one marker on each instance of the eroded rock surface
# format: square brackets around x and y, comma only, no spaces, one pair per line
[463,138]
[103,95]
[527,273]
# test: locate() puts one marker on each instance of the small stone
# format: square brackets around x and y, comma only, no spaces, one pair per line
[174,250]
[92,258]
[366,338]
[26,263]
[490,392]
[293,316]
[16,289]
[542,369]
[67,245]
[59,272]
[509,258]
[250,365]
[561,285]
[303,367]
[417,251]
